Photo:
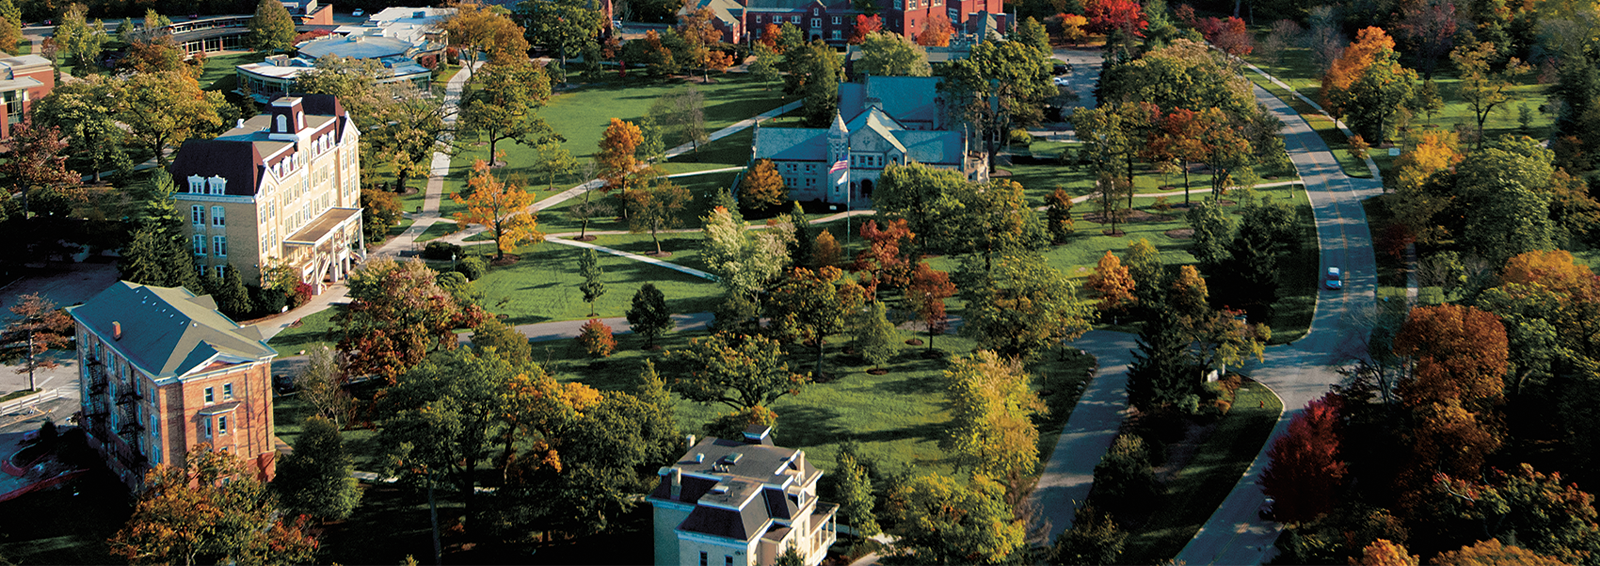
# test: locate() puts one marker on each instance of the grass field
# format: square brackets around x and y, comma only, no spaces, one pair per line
[1202,484]
[219,73]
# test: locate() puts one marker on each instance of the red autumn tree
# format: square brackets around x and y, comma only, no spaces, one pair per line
[865,25]
[936,31]
[1106,16]
[929,288]
[1305,473]
[38,326]
[1179,135]
[1229,35]
[596,339]
[884,262]
[1459,356]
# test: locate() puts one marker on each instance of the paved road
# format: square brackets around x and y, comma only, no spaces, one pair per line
[1069,473]
[1300,372]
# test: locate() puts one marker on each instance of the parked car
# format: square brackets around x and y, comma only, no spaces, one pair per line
[1061,69]
[1265,512]
[1063,81]
[359,12]
[1335,279]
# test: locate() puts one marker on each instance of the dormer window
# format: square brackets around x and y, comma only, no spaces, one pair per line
[218,184]
[197,184]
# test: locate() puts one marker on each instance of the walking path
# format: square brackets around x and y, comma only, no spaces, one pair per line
[635,257]
[438,169]
[1069,473]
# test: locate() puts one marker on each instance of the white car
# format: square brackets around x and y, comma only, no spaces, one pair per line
[359,12]
[1063,81]
[1335,280]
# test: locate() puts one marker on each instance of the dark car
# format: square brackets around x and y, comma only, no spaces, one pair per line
[1062,69]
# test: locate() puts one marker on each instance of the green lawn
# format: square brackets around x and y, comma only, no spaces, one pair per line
[1193,495]
[219,73]
[312,333]
[543,286]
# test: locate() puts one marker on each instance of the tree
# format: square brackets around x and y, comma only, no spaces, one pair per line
[927,198]
[156,55]
[766,66]
[1122,16]
[865,26]
[596,339]
[1213,229]
[554,161]
[1431,151]
[159,253]
[938,521]
[163,110]
[504,105]
[617,154]
[827,250]
[589,269]
[397,315]
[1229,35]
[1543,513]
[315,478]
[1022,306]
[1483,90]
[1031,32]
[929,288]
[1306,472]
[991,430]
[1124,481]
[38,326]
[1111,280]
[85,111]
[232,298]
[321,384]
[655,52]
[853,490]
[936,31]
[1430,28]
[649,316]
[1350,66]
[1058,215]
[38,170]
[741,372]
[500,207]
[1187,295]
[744,261]
[803,247]
[272,28]
[1384,553]
[561,25]
[996,218]
[657,207]
[1503,184]
[1375,98]
[1162,373]
[1002,85]
[380,213]
[1458,363]
[813,304]
[884,263]
[210,509]
[814,74]
[1491,553]
[79,39]
[1109,192]
[875,336]
[761,188]
[585,211]
[508,343]
[1093,539]
[891,54]
[479,30]
[1072,28]
[10,26]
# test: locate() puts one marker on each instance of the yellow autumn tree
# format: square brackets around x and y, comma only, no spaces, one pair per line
[1072,28]
[1492,553]
[1431,151]
[762,187]
[1384,553]
[500,207]
[1349,67]
[826,252]
[1112,281]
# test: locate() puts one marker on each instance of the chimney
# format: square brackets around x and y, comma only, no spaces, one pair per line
[240,124]
[675,476]
[116,330]
[690,440]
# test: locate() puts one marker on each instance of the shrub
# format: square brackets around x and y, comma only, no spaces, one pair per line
[451,280]
[473,267]
[596,339]
[268,301]
[440,250]
[301,294]
[1021,136]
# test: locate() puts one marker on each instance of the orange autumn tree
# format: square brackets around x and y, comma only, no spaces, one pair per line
[1349,67]
[1072,27]
[884,262]
[1554,270]
[929,288]
[1492,553]
[618,156]
[1382,552]
[936,31]
[1432,151]
[1112,281]
[1459,357]
[499,206]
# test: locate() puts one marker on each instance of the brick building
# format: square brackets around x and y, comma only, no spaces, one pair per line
[833,20]
[24,79]
[163,372]
[282,188]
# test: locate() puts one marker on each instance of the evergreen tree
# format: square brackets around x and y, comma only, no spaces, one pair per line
[158,254]
[144,258]
[315,478]
[853,490]
[592,287]
[232,298]
[649,316]
[1093,539]
[800,250]
[1160,369]
[875,335]
[1124,481]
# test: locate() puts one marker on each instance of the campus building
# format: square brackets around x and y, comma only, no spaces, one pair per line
[741,502]
[833,20]
[405,41]
[24,79]
[281,189]
[162,373]
[881,121]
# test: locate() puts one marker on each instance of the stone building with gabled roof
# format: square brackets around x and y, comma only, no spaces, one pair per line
[282,188]
[833,21]
[740,502]
[891,120]
[163,372]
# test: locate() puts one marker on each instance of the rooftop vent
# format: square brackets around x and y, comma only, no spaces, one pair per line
[719,489]
[699,457]
[732,458]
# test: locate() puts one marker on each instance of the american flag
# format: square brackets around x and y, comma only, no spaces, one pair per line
[840,165]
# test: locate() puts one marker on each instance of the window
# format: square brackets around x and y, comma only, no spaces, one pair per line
[836,20]
[197,184]
[199,245]
[197,215]
[283,123]
[794,19]
[727,560]
[222,424]
[227,391]
[14,100]
[835,35]
[218,184]
[219,246]
[218,216]
[758,19]
[703,558]
[816,22]
[222,271]
[210,396]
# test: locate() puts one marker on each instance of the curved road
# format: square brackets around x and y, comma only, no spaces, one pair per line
[1300,372]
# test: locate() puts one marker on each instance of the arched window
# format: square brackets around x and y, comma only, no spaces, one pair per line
[283,123]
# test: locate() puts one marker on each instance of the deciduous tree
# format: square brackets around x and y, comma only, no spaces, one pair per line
[658,206]
[86,112]
[875,337]
[1058,215]
[741,372]
[865,27]
[315,478]
[744,261]
[991,431]
[163,110]
[1112,282]
[504,104]
[397,315]
[596,339]
[1483,89]
[1382,552]
[499,206]
[479,30]
[563,25]
[939,521]
[617,156]
[38,170]
[1306,469]
[79,39]
[853,488]
[929,288]
[554,161]
[272,28]
[649,316]
[37,327]
[1492,553]
[891,54]
[936,31]
[813,305]
[1021,307]
[761,188]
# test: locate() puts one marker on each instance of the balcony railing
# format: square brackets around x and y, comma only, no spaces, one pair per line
[127,397]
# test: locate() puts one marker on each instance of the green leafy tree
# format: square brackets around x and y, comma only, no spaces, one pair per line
[1021,306]
[1094,539]
[509,344]
[162,110]
[504,105]
[852,487]
[1149,274]
[321,384]
[554,161]
[1483,89]
[940,521]
[875,336]
[802,250]
[743,260]
[562,25]
[892,55]
[1002,85]
[738,371]
[928,199]
[996,219]
[813,305]
[991,430]
[272,28]
[814,74]
[79,39]
[315,478]
[1213,230]
[766,69]
[398,314]
[1373,101]
[1504,185]
[649,316]
[1058,216]
[592,286]
[85,110]
[655,207]
[1123,479]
